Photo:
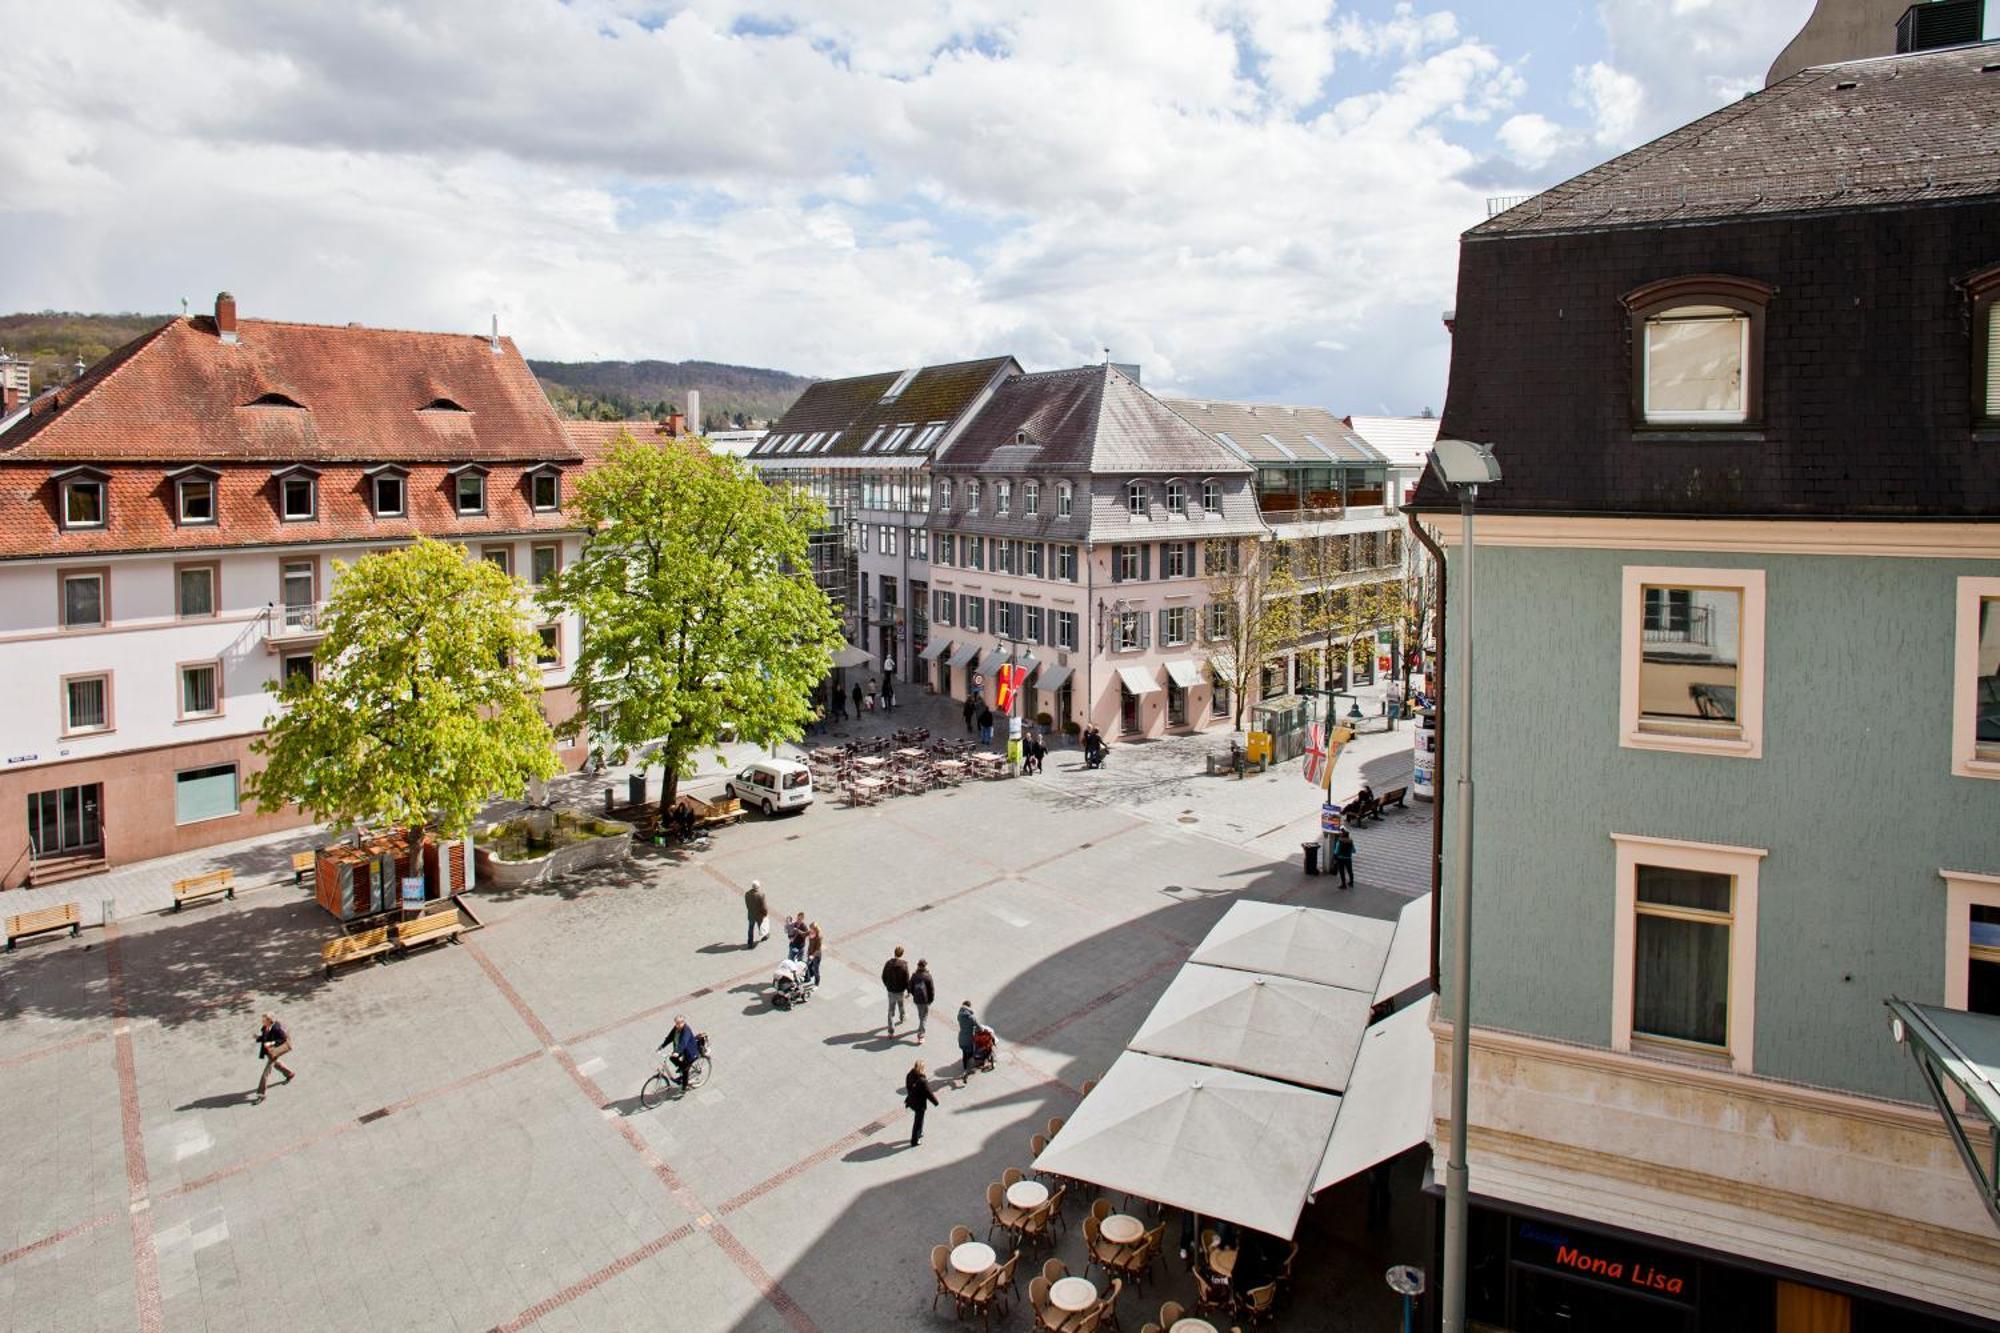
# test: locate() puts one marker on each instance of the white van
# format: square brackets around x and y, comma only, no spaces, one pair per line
[773,785]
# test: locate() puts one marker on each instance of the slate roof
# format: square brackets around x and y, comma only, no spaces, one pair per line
[1404,441]
[1858,134]
[1276,433]
[854,408]
[1089,419]
[182,394]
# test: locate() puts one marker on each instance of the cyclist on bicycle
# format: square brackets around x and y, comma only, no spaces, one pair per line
[683,1048]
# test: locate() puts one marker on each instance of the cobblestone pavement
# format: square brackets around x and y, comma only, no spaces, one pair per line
[463,1148]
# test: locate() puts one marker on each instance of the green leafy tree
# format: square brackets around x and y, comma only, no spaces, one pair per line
[1260,615]
[425,703]
[699,611]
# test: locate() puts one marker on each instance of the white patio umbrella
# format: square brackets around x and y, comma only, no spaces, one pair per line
[1388,1105]
[1409,962]
[1297,1031]
[1332,948]
[1214,1141]
[851,656]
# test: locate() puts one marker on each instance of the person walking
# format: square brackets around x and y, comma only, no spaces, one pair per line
[923,992]
[968,1025]
[971,709]
[896,982]
[273,1044]
[755,909]
[795,937]
[815,941]
[1343,858]
[985,725]
[917,1095]
[888,686]
[859,695]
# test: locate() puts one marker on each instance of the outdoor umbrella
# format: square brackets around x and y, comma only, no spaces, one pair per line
[1387,1107]
[1297,1031]
[1212,1141]
[1332,948]
[851,656]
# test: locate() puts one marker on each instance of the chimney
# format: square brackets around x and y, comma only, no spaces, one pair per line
[676,425]
[694,410]
[496,334]
[225,317]
[1941,23]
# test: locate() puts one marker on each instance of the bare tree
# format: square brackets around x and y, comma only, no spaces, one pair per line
[1349,587]
[1251,616]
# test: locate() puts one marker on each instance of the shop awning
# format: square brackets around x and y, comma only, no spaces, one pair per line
[1138,680]
[1951,1045]
[851,656]
[1213,1141]
[1297,1031]
[1052,676]
[994,661]
[963,654]
[1386,1108]
[1308,943]
[1184,673]
[1409,952]
[934,650]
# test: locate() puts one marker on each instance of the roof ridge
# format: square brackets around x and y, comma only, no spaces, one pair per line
[352,328]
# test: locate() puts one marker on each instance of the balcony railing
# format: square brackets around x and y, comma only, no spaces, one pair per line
[294,620]
[1690,625]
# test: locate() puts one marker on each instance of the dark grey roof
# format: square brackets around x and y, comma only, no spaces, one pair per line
[1276,433]
[1090,419]
[846,415]
[1858,134]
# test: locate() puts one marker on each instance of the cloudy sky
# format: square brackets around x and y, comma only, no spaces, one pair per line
[1251,198]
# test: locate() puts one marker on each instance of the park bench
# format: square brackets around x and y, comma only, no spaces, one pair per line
[196,887]
[302,865]
[1221,763]
[1394,796]
[353,948]
[437,928]
[711,814]
[42,921]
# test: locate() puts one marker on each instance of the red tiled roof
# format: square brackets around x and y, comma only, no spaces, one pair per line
[181,394]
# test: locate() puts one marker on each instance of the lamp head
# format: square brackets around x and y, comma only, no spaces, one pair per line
[1463,463]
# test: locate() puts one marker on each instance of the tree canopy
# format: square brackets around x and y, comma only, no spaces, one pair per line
[424,702]
[699,611]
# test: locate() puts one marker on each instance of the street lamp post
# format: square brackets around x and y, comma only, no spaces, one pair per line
[1015,708]
[1464,467]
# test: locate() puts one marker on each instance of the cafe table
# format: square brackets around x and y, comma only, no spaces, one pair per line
[1189,1324]
[973,1258]
[1121,1229]
[1027,1195]
[1073,1294]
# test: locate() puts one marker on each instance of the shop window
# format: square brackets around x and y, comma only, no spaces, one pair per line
[194,591]
[1684,970]
[1692,676]
[1697,351]
[201,690]
[1218,694]
[204,793]
[86,598]
[1975,748]
[86,703]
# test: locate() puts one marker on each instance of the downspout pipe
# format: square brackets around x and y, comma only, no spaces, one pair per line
[1435,682]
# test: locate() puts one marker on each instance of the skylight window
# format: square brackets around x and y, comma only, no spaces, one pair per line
[812,443]
[1320,445]
[1231,444]
[902,383]
[895,441]
[928,437]
[832,439]
[873,440]
[1279,445]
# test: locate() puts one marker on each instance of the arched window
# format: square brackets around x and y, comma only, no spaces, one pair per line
[1698,351]
[1135,498]
[1211,496]
[1176,497]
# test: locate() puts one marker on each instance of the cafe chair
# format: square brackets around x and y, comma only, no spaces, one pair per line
[1006,1217]
[980,1298]
[960,1235]
[1170,1314]
[1088,1085]
[1259,1303]
[1035,1227]
[1210,1296]
[941,1269]
[1054,1127]
[1005,1285]
[1101,1210]
[1107,1308]
[1055,1207]
[1010,1178]
[1154,1245]
[1038,1301]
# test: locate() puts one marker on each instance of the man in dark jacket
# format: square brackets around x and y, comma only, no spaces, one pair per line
[968,1025]
[755,910]
[896,981]
[985,725]
[917,1095]
[971,708]
[682,1047]
[923,991]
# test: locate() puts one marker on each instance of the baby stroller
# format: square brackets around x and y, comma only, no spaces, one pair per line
[790,984]
[984,1045]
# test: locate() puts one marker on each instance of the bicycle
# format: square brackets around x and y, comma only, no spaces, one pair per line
[666,1079]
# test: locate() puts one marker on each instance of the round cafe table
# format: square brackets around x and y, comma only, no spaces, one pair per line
[1027,1195]
[1188,1324]
[973,1258]
[1120,1229]
[1073,1294]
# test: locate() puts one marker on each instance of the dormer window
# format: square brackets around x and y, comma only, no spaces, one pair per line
[1031,498]
[972,497]
[1211,496]
[1065,500]
[944,496]
[83,499]
[275,399]
[1135,498]
[468,491]
[194,496]
[298,495]
[441,405]
[388,492]
[1176,498]
[545,490]
[1003,496]
[1698,351]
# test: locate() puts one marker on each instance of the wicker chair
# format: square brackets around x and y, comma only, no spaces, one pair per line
[1011,1177]
[1089,1085]
[1055,1125]
[1008,1284]
[1101,1210]
[1107,1308]
[960,1235]
[1036,1227]
[1038,1302]
[1055,1270]
[1210,1297]
[981,1297]
[1006,1217]
[1170,1314]
[1260,1303]
[941,1269]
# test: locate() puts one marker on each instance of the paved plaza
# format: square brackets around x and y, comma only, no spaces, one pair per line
[464,1148]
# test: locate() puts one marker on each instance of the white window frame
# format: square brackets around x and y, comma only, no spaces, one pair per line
[1031,499]
[375,495]
[1184,616]
[181,485]
[1137,503]
[535,480]
[1740,864]
[110,722]
[1673,315]
[1176,497]
[1964,890]
[285,665]
[1748,584]
[213,569]
[555,662]
[1063,631]
[1003,496]
[458,494]
[1965,758]
[103,577]
[103,504]
[1065,500]
[944,495]
[181,711]
[888,539]
[972,497]
[312,498]
[1211,497]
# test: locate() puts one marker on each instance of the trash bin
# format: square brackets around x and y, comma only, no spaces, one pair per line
[1312,856]
[635,789]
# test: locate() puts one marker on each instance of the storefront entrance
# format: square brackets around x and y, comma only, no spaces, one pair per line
[65,821]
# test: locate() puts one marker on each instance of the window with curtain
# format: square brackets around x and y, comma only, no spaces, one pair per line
[199,696]
[87,702]
[1680,940]
[195,592]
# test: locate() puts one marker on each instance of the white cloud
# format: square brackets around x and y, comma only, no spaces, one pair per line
[1615,102]
[1688,57]
[1531,139]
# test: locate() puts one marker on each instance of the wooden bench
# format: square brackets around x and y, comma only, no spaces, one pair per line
[437,928]
[711,814]
[1394,796]
[302,865]
[353,948]
[196,887]
[41,922]
[1223,763]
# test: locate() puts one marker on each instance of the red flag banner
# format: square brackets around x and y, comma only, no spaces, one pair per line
[1315,765]
[1006,681]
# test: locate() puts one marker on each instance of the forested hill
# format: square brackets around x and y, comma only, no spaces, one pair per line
[597,390]
[731,396]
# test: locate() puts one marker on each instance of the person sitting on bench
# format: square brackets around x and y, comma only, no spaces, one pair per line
[1363,806]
